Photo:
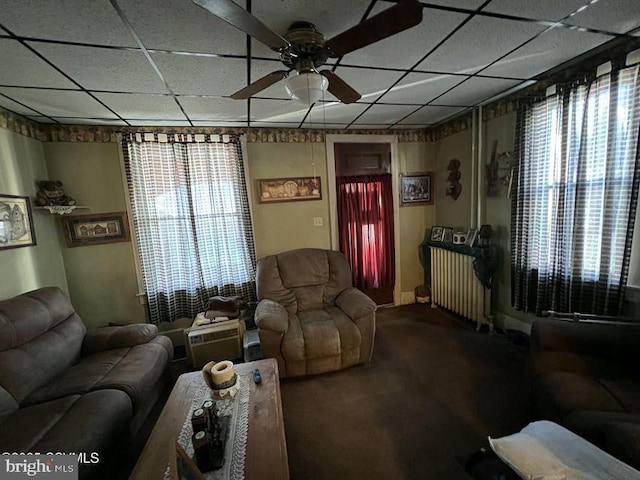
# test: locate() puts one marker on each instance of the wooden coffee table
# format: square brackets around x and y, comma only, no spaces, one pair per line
[266,454]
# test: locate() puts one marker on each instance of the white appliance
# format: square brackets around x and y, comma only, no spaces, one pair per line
[214,342]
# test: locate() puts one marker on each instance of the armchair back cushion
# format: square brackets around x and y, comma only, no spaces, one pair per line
[303,279]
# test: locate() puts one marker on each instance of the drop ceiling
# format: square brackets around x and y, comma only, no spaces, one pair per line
[169,62]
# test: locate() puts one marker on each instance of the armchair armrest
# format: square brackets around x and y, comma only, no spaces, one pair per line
[109,338]
[271,315]
[355,303]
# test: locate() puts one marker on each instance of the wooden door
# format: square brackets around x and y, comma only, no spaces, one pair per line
[365,216]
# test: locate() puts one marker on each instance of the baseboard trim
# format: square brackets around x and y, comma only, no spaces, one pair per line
[507,322]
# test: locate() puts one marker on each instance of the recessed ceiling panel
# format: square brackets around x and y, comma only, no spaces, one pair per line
[277,110]
[368,83]
[336,112]
[475,90]
[257,124]
[39,119]
[104,69]
[420,88]
[368,127]
[217,109]
[67,20]
[189,75]
[618,16]
[21,67]
[431,115]
[210,123]
[15,107]
[181,25]
[550,10]
[385,114]
[478,43]
[88,121]
[60,103]
[550,49]
[407,48]
[139,106]
[330,17]
[159,123]
[470,4]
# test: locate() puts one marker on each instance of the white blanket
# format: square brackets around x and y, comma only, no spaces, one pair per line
[546,451]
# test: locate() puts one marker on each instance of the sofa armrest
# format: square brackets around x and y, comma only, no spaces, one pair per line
[109,338]
[272,316]
[355,303]
[612,341]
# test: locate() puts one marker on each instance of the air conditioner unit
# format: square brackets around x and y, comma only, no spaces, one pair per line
[215,342]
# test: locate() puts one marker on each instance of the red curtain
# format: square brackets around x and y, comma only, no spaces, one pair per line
[365,219]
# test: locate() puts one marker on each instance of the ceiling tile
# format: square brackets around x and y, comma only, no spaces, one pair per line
[15,107]
[420,88]
[330,17]
[277,110]
[216,109]
[257,124]
[431,115]
[550,49]
[409,126]
[470,4]
[159,123]
[618,16]
[260,68]
[385,114]
[67,20]
[413,43]
[39,119]
[187,75]
[62,103]
[180,25]
[210,123]
[550,10]
[368,127]
[142,106]
[367,82]
[104,69]
[88,121]
[478,43]
[336,112]
[23,68]
[475,90]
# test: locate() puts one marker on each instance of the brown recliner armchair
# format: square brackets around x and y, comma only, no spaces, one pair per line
[310,318]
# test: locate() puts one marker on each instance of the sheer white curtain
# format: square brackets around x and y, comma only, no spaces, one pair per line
[191,216]
[576,185]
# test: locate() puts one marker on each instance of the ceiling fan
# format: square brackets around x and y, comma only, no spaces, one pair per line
[303,49]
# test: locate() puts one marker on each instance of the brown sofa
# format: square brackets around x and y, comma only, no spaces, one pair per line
[64,389]
[587,379]
[310,318]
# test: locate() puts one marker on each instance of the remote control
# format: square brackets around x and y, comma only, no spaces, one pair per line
[256,376]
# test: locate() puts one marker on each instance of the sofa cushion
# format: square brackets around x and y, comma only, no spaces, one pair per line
[625,391]
[77,423]
[134,371]
[40,337]
[560,393]
[8,405]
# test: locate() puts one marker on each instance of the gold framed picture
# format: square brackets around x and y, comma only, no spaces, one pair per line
[95,229]
[272,190]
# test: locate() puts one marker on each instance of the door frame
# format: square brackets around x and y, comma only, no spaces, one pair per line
[392,140]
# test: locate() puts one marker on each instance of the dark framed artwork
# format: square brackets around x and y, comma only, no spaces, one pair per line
[95,229]
[416,189]
[272,190]
[437,234]
[448,235]
[16,222]
[471,237]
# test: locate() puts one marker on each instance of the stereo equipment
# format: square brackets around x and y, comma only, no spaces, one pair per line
[215,342]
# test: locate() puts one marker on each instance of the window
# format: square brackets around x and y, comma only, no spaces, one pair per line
[191,216]
[576,185]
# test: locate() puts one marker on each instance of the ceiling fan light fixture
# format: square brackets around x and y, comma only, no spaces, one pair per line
[308,87]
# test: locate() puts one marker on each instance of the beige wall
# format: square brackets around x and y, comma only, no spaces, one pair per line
[102,279]
[27,268]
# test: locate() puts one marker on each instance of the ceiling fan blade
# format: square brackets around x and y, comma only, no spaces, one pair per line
[237,16]
[403,15]
[259,85]
[339,88]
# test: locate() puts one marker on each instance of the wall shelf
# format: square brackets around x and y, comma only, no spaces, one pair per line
[60,209]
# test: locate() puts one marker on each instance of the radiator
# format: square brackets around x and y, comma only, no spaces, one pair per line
[455,286]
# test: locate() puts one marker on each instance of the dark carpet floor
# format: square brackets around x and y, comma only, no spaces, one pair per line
[435,389]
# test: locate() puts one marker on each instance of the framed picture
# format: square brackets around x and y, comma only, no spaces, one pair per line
[416,189]
[271,190]
[95,229]
[437,234]
[181,466]
[471,237]
[447,235]
[16,222]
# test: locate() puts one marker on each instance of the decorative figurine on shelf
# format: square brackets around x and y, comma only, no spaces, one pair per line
[51,193]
